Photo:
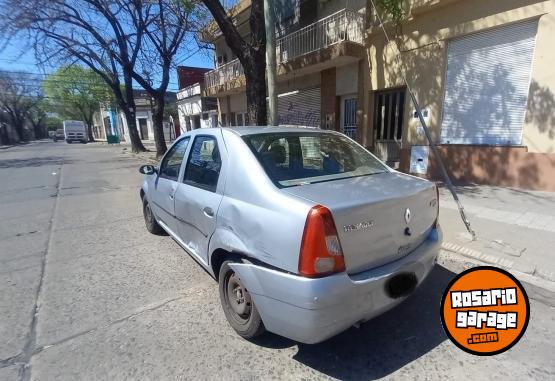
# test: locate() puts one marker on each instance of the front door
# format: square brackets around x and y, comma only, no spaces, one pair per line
[165,185]
[198,197]
[143,128]
[389,107]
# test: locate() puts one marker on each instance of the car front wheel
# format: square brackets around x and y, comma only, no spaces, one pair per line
[150,221]
[238,306]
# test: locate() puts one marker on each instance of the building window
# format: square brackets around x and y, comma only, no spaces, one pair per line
[350,117]
[241,119]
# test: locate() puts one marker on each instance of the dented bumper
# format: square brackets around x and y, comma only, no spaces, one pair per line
[313,310]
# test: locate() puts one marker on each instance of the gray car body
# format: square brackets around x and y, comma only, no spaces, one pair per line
[255,220]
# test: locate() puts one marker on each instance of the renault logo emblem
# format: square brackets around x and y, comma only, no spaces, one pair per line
[407,215]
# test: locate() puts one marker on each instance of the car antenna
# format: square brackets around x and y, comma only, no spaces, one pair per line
[433,146]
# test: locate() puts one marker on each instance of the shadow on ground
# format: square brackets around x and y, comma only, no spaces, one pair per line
[384,344]
[33,162]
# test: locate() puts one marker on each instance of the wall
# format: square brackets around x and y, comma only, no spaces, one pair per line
[503,166]
[423,62]
[188,75]
[346,79]
[329,110]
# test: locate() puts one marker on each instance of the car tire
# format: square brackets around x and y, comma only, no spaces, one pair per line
[68,141]
[239,308]
[84,141]
[150,221]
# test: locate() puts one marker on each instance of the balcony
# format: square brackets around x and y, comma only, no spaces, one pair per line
[345,26]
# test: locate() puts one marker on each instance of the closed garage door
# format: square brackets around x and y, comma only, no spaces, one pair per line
[300,108]
[486,86]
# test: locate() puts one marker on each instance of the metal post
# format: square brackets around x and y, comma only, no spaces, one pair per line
[269,22]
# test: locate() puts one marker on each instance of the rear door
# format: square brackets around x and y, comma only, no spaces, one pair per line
[165,185]
[199,196]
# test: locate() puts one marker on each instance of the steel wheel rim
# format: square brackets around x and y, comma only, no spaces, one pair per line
[238,298]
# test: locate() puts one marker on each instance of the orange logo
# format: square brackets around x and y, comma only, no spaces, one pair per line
[485,311]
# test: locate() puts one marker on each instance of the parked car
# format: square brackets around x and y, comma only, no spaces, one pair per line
[59,135]
[306,232]
[75,131]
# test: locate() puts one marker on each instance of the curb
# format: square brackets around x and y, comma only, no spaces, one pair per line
[540,278]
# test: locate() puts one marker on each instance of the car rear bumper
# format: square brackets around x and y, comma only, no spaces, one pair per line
[313,310]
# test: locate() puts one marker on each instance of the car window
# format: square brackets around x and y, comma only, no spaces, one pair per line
[299,158]
[169,168]
[204,164]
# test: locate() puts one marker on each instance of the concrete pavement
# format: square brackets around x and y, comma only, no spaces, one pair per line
[515,229]
[87,293]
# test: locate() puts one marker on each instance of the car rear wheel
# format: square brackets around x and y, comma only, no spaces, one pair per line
[68,141]
[150,221]
[238,306]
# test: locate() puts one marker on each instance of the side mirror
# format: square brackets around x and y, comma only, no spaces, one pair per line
[147,169]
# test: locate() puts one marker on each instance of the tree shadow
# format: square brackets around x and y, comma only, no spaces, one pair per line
[541,109]
[34,162]
[384,344]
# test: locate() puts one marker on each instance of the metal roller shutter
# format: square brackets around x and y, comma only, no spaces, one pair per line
[300,108]
[487,84]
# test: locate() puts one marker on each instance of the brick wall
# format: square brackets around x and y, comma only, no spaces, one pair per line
[188,75]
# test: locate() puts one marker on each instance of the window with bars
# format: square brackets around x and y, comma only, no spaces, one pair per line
[388,114]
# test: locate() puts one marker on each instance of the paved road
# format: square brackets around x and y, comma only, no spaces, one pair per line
[87,293]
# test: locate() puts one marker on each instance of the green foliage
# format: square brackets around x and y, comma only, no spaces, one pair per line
[393,10]
[74,92]
[53,123]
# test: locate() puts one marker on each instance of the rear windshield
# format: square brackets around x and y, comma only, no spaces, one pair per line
[299,158]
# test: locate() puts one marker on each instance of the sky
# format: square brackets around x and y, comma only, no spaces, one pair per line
[18,57]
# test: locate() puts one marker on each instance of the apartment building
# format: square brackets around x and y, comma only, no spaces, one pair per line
[194,109]
[319,54]
[480,69]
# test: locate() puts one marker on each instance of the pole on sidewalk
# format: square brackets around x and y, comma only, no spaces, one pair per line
[269,23]
[433,147]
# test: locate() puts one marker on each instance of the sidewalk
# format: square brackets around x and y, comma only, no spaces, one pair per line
[515,229]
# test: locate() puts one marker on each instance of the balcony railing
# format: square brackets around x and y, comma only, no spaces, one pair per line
[344,25]
[224,73]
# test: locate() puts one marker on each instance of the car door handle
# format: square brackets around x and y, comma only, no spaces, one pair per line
[208,211]
[170,196]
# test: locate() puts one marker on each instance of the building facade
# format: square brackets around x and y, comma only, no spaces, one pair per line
[480,70]
[194,109]
[109,120]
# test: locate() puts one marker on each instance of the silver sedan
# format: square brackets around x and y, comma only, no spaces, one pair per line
[306,231]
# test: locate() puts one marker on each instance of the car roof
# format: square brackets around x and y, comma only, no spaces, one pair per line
[254,130]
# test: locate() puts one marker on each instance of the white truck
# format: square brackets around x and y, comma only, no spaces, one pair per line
[75,130]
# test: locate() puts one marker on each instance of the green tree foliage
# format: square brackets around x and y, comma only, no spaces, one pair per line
[393,10]
[75,92]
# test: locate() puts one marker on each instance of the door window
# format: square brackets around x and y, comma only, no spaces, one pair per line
[204,164]
[171,163]
[350,117]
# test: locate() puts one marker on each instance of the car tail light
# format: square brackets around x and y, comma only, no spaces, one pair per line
[321,252]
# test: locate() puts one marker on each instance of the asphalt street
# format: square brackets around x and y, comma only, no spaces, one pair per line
[87,293]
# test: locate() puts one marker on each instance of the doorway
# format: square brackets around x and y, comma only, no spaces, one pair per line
[389,106]
[143,128]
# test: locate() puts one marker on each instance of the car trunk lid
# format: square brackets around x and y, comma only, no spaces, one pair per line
[379,218]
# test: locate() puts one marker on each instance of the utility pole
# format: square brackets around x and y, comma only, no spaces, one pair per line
[269,23]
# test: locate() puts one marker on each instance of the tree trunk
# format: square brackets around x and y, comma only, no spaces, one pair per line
[158,125]
[256,94]
[89,122]
[128,107]
[90,132]
[136,143]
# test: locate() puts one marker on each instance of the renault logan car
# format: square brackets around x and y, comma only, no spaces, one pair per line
[306,232]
